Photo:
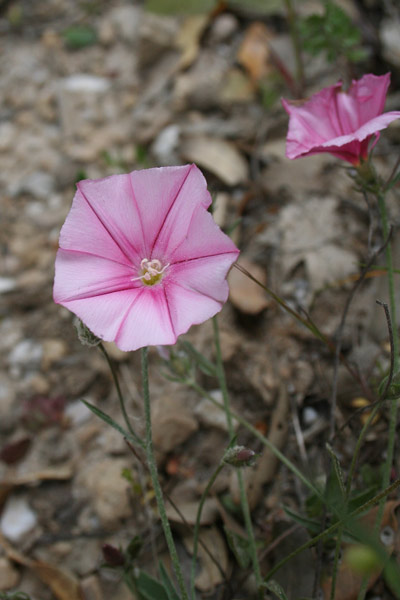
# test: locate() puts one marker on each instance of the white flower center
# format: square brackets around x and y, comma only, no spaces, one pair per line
[151,271]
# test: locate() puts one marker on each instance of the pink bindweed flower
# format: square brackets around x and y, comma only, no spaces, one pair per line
[340,122]
[141,259]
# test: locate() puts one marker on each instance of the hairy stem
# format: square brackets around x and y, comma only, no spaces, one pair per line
[154,478]
[121,399]
[281,457]
[243,497]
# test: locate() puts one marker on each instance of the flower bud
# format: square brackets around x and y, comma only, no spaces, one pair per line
[239,456]
[85,336]
[112,556]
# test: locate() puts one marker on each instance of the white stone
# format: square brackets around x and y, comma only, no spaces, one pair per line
[7,284]
[7,135]
[390,38]
[85,103]
[17,519]
[310,415]
[209,414]
[166,145]
[26,352]
[38,184]
[126,20]
[77,413]
[85,83]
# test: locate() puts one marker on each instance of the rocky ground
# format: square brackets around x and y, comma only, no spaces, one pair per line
[144,90]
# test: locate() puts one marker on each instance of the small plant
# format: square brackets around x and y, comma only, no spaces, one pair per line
[332,33]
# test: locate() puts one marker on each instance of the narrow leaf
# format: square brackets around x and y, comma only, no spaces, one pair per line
[107,419]
[167,583]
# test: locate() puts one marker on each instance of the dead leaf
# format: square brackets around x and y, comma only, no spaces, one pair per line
[188,39]
[236,87]
[210,575]
[189,511]
[253,53]
[348,582]
[218,156]
[311,232]
[61,473]
[244,294]
[62,583]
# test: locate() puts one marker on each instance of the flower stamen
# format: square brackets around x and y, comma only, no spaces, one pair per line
[151,271]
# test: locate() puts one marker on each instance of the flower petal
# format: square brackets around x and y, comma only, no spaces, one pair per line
[206,276]
[147,322]
[104,314]
[369,93]
[188,307]
[112,203]
[79,275]
[166,198]
[203,238]
[84,231]
[192,195]
[366,130]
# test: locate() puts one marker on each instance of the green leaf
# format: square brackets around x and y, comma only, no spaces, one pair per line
[274,587]
[107,419]
[239,547]
[337,470]
[206,366]
[176,7]
[393,182]
[149,588]
[263,7]
[79,36]
[332,33]
[229,230]
[14,596]
[167,583]
[310,524]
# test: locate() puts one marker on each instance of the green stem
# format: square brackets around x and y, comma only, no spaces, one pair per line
[197,526]
[281,457]
[390,272]
[154,478]
[243,497]
[296,43]
[118,388]
[395,350]
[347,494]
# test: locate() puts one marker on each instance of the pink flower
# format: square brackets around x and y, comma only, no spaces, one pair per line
[341,123]
[140,258]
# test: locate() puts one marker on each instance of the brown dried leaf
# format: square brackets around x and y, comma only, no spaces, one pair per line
[244,294]
[63,584]
[253,53]
[189,511]
[348,582]
[188,39]
[218,156]
[210,575]
[60,473]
